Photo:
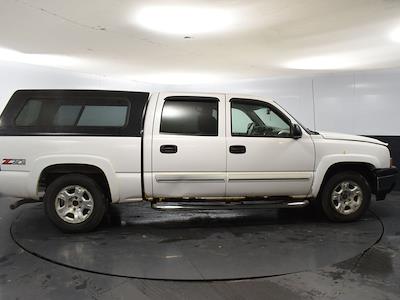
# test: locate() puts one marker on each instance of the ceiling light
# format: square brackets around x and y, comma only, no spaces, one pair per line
[184,20]
[36,59]
[321,63]
[395,35]
[177,78]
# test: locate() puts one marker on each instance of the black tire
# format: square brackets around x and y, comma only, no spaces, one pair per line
[99,203]
[327,204]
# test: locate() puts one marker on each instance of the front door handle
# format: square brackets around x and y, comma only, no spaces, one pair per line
[168,149]
[237,149]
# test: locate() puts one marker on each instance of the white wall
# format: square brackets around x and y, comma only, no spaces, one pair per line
[362,103]
[15,76]
[365,102]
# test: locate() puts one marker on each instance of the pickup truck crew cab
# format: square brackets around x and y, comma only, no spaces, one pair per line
[79,150]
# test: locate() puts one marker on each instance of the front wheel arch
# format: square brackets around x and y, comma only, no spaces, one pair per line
[327,197]
[365,169]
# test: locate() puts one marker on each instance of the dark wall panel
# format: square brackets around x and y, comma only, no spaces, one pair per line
[394,144]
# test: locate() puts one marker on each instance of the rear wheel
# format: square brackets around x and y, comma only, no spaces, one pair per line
[75,203]
[345,197]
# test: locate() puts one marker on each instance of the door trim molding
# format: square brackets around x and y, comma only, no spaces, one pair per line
[231,176]
[191,177]
[269,176]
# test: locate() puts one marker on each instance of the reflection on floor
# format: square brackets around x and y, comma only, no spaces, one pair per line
[137,241]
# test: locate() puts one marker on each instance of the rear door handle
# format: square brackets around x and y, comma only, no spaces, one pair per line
[237,149]
[168,149]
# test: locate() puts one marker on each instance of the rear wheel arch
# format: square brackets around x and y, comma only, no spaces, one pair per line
[75,203]
[52,172]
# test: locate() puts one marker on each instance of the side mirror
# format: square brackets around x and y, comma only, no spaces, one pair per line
[296,131]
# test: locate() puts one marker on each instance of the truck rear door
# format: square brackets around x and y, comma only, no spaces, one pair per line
[189,146]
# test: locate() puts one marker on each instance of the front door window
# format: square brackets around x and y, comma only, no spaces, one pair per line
[254,118]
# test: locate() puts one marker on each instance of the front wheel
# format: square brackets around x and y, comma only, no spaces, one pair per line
[345,197]
[75,203]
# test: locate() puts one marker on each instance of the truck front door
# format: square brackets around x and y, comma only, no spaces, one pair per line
[262,157]
[189,146]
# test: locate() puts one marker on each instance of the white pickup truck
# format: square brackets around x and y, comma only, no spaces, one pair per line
[79,150]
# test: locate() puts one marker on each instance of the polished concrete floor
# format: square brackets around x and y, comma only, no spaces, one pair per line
[319,260]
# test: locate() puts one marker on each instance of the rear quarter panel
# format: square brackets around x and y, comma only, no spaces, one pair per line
[117,157]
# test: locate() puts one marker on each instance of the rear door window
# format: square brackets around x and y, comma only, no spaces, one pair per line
[190,116]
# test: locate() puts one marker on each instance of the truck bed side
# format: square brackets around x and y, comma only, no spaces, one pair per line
[26,152]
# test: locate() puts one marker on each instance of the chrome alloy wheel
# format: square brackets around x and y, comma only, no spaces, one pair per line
[347,197]
[74,204]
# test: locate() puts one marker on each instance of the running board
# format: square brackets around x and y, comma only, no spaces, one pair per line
[227,206]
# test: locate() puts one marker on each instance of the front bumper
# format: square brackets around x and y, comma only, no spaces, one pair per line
[385,181]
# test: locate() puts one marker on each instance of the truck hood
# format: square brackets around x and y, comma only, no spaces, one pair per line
[350,137]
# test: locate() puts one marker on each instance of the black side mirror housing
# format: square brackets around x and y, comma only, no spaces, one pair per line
[296,131]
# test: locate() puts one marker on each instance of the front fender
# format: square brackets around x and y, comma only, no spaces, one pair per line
[46,161]
[327,161]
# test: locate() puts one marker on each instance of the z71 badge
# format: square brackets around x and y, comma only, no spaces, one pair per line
[13,161]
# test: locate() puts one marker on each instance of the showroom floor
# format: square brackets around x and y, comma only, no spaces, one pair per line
[252,254]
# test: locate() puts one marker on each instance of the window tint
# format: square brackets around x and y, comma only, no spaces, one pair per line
[103,116]
[254,118]
[29,113]
[67,115]
[58,112]
[48,113]
[190,116]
